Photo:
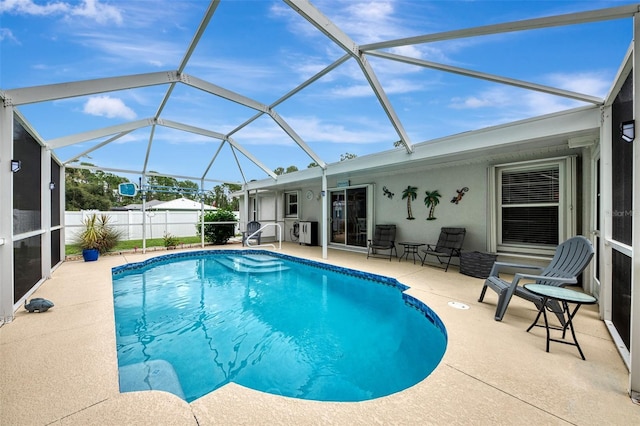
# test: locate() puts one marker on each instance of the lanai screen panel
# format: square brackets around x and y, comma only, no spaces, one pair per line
[622,212]
[55,193]
[27,252]
[622,173]
[56,234]
[26,182]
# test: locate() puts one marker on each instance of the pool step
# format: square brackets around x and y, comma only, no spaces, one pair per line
[150,375]
[254,263]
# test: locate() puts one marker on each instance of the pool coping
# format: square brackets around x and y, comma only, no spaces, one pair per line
[72,345]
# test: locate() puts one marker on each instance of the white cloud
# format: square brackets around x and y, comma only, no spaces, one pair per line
[364,22]
[401,85]
[239,73]
[314,129]
[98,12]
[106,106]
[129,138]
[296,24]
[470,102]
[7,34]
[133,50]
[28,7]
[410,51]
[263,132]
[496,97]
[352,91]
[369,21]
[590,83]
[92,9]
[537,103]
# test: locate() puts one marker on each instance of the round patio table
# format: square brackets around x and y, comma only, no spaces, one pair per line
[564,296]
[410,248]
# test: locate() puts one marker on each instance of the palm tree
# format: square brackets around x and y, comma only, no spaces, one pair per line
[431,200]
[410,194]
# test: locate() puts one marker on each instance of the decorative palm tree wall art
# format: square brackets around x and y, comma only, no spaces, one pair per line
[431,200]
[410,194]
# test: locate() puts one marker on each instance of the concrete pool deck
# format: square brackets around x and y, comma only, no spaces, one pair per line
[60,367]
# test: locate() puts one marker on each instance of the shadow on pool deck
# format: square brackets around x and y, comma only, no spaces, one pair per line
[60,367]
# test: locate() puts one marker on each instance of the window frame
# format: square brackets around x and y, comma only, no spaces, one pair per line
[288,204]
[566,167]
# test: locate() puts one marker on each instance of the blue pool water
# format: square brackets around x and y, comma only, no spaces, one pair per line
[192,322]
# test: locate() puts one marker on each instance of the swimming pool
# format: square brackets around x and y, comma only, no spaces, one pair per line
[189,323]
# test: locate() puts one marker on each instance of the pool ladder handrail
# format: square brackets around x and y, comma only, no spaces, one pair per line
[248,240]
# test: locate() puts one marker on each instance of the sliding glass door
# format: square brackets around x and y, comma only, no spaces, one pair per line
[349,216]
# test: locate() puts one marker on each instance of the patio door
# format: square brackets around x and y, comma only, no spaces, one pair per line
[350,213]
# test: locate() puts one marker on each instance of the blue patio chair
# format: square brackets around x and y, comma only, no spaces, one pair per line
[570,259]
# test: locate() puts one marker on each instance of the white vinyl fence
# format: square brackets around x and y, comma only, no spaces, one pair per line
[158,223]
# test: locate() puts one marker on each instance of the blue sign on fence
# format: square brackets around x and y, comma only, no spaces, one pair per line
[128,189]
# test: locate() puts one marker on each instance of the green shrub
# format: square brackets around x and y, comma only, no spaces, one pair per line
[218,234]
[170,240]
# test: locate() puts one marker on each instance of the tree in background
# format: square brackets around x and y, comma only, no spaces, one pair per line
[87,189]
[166,188]
[86,197]
[220,196]
[281,171]
[347,156]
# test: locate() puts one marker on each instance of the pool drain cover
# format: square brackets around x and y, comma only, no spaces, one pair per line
[458,305]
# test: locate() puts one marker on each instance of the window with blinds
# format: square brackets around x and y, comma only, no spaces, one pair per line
[530,201]
[533,205]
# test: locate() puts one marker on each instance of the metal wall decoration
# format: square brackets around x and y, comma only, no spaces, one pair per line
[458,198]
[431,200]
[388,193]
[410,194]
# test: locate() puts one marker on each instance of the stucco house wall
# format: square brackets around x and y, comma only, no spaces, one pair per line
[471,212]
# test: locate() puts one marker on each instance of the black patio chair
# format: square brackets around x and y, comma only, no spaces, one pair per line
[384,237]
[449,245]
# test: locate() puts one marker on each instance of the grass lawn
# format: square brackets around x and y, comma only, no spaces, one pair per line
[72,249]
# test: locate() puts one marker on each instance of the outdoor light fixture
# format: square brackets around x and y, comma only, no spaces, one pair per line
[52,185]
[628,131]
[16,165]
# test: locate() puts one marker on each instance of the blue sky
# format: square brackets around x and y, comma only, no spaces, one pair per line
[262,50]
